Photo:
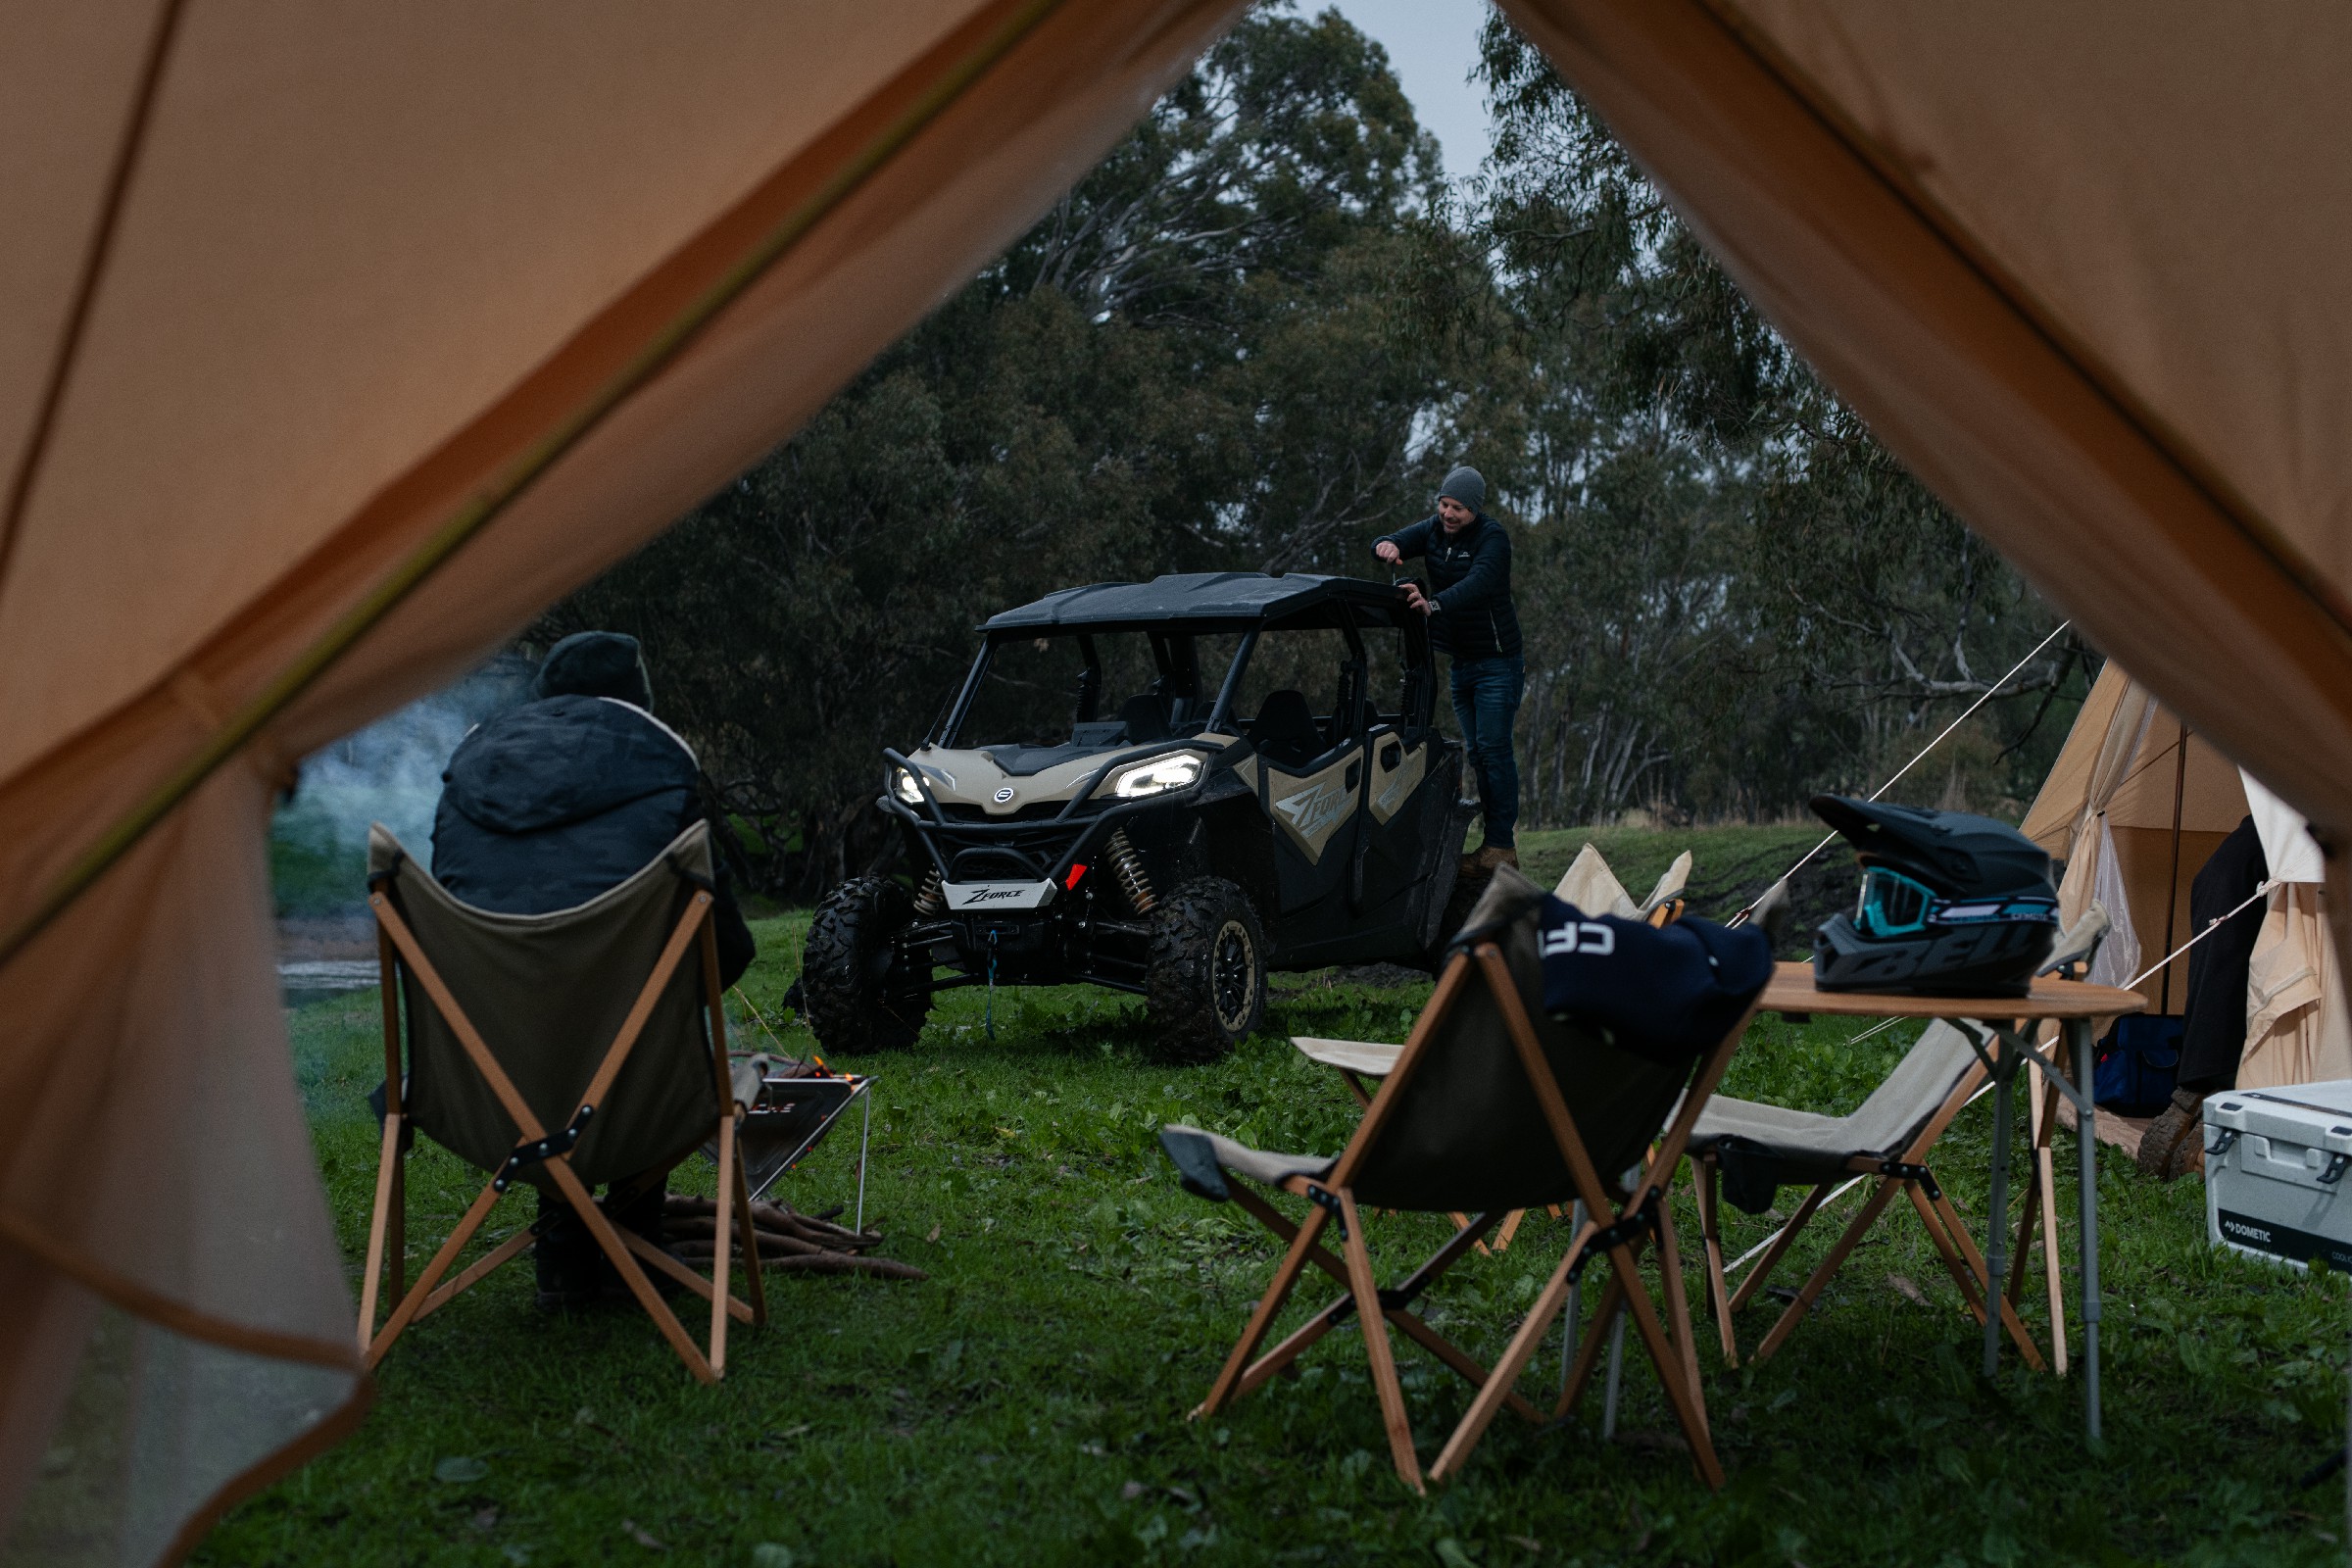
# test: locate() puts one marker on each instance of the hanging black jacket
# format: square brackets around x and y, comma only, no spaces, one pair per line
[1470,578]
[2214,1022]
[552,803]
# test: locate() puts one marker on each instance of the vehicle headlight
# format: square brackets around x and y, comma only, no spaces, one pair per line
[1158,776]
[904,786]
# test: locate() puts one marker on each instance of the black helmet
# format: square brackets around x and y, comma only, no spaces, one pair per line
[1951,904]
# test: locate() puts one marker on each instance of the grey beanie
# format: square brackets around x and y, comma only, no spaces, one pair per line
[1466,485]
[596,663]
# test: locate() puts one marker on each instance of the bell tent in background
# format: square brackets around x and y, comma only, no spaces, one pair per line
[2135,805]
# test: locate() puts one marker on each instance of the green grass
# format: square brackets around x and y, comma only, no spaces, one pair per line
[1026,1405]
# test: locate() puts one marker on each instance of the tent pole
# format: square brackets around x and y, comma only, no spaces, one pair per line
[2172,883]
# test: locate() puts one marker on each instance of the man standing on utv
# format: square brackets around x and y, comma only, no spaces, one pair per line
[544,807]
[1471,620]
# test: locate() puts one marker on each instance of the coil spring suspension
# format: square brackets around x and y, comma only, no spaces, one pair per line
[931,897]
[1128,867]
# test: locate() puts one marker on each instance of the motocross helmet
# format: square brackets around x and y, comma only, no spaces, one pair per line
[1951,904]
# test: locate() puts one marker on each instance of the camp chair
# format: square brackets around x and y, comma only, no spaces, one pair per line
[1490,1107]
[1890,1137]
[1357,1060]
[587,1021]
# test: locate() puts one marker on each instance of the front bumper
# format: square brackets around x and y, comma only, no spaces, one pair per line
[1062,946]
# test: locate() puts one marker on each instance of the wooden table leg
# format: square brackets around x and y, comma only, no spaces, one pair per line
[2053,1276]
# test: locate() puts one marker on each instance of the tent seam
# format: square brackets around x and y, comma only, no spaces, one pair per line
[85,287]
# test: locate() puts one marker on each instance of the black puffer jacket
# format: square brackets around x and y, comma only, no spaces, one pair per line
[551,804]
[1470,578]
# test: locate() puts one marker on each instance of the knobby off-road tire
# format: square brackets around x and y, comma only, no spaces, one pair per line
[1206,985]
[855,996]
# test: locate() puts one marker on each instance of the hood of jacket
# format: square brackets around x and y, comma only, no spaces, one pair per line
[564,759]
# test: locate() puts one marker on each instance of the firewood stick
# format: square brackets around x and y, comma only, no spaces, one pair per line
[785,1241]
[815,1262]
[771,1217]
[770,1244]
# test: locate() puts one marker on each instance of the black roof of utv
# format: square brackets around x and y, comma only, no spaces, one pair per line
[1196,596]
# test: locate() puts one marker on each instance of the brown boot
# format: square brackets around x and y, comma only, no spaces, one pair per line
[2173,1143]
[1488,857]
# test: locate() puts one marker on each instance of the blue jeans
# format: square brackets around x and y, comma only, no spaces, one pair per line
[1486,698]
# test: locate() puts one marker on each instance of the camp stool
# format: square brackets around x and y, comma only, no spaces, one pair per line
[1888,1136]
[1492,1107]
[559,1051]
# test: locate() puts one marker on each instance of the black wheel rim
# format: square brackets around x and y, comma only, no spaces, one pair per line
[1233,976]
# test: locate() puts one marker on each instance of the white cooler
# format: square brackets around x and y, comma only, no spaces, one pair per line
[2277,1165]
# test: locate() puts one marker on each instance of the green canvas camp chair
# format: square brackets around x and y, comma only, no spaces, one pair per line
[1490,1107]
[560,1050]
[1888,1137]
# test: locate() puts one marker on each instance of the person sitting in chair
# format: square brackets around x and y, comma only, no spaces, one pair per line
[549,805]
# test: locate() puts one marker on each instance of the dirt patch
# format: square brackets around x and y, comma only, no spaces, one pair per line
[314,939]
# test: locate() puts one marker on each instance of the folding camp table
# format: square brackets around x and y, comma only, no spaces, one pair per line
[2000,1029]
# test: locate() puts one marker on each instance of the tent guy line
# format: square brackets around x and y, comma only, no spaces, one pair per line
[2211,926]
[93,269]
[1987,694]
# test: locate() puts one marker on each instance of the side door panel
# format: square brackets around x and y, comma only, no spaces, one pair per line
[1314,814]
[1391,851]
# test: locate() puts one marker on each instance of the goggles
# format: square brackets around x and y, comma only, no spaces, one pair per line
[1893,904]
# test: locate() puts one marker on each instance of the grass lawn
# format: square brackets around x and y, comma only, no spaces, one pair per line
[1026,1405]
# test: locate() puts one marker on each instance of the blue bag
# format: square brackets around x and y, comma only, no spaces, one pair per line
[2140,1065]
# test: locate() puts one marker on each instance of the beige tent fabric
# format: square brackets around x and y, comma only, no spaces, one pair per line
[2114,780]
[2085,773]
[2297,1027]
[1590,886]
[349,281]
[2287,846]
[2085,278]
[2107,807]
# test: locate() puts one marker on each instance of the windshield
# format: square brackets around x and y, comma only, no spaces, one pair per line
[1092,689]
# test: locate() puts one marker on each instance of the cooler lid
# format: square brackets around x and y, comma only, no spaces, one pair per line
[2314,1115]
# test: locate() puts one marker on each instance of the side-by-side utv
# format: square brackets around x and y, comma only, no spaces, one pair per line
[1167,788]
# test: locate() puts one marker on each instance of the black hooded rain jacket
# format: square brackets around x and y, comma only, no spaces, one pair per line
[551,804]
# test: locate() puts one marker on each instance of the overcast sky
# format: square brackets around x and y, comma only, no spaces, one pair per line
[1432,44]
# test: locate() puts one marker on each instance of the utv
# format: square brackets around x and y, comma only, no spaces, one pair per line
[1167,788]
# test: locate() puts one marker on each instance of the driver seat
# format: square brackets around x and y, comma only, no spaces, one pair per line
[1285,731]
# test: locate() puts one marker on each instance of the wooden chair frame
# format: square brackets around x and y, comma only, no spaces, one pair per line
[1618,1240]
[387,1230]
[1909,1172]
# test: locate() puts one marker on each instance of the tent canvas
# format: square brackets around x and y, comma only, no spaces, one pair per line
[339,341]
[2128,775]
[2084,279]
